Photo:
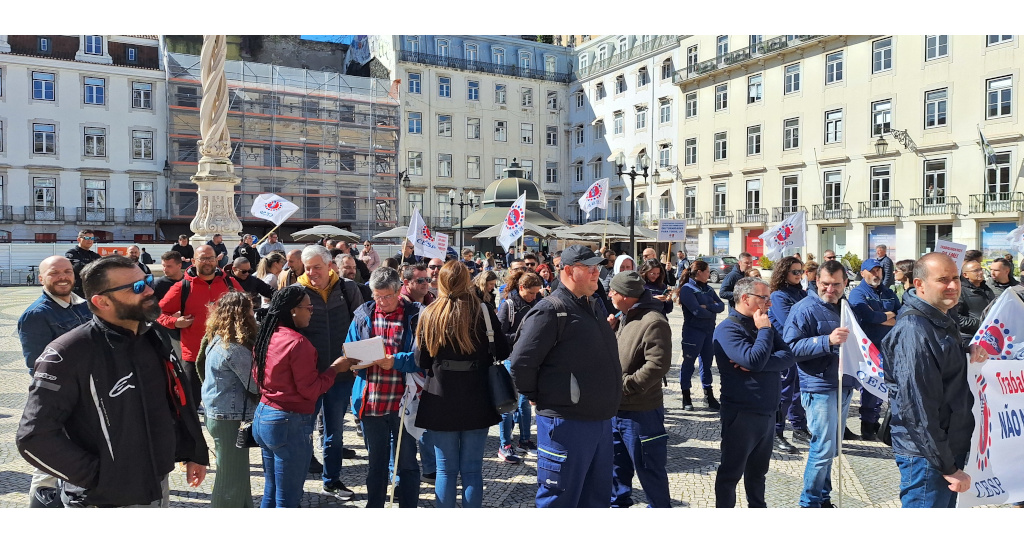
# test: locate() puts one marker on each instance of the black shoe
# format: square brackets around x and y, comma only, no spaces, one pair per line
[348,453]
[359,430]
[315,467]
[850,436]
[430,477]
[868,431]
[709,396]
[687,402]
[784,446]
[338,490]
[828,504]
[802,435]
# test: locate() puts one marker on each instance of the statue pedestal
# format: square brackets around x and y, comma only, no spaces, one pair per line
[215,212]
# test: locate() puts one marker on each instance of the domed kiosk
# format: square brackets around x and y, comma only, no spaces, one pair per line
[499,196]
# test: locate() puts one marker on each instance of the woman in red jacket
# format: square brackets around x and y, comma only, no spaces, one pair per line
[285,369]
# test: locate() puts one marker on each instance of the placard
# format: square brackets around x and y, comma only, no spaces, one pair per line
[954,250]
[672,230]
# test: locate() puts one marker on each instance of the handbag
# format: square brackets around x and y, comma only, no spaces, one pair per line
[244,439]
[503,392]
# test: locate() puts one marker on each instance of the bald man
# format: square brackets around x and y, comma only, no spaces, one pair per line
[292,270]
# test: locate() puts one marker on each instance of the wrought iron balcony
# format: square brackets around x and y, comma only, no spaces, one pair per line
[832,211]
[935,206]
[692,218]
[485,67]
[721,61]
[718,217]
[6,214]
[638,50]
[132,215]
[997,202]
[752,215]
[44,213]
[94,215]
[782,213]
[880,209]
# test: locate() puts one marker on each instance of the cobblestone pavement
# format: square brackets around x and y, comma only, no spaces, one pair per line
[869,477]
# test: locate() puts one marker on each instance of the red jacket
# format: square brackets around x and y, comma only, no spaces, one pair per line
[201,295]
[290,379]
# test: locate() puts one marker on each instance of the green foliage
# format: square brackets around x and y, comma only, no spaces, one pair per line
[550,40]
[766,263]
[853,261]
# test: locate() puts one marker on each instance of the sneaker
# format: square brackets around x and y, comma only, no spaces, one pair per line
[687,402]
[527,446]
[359,430]
[315,467]
[336,489]
[784,446]
[509,455]
[802,435]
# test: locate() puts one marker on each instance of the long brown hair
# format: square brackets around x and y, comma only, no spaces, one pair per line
[451,319]
[695,266]
[520,276]
[480,282]
[781,270]
[232,320]
[647,267]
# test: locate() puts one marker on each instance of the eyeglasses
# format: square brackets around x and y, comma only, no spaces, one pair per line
[421,280]
[385,298]
[309,307]
[434,266]
[591,269]
[830,285]
[137,287]
[762,297]
[206,259]
[797,272]
[531,265]
[832,258]
[92,238]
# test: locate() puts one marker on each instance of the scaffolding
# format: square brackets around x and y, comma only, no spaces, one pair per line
[323,140]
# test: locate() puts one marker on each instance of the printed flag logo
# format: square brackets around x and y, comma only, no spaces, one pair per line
[515,222]
[596,196]
[273,206]
[785,233]
[985,439]
[515,218]
[860,357]
[995,338]
[791,233]
[872,358]
[425,232]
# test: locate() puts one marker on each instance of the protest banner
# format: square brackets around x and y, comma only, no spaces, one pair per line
[515,221]
[425,242]
[859,357]
[596,196]
[954,250]
[672,230]
[791,233]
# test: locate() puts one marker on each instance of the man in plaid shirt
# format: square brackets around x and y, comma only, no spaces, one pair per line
[377,392]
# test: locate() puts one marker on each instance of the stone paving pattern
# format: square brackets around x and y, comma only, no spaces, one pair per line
[869,477]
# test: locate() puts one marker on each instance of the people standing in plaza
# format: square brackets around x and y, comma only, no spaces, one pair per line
[259,290]
[484,285]
[931,402]
[405,255]
[875,307]
[269,271]
[220,249]
[888,268]
[81,255]
[814,334]
[509,256]
[743,263]
[455,405]
[1002,276]
[682,263]
[639,439]
[246,249]
[701,307]
[135,254]
[975,296]
[185,250]
[146,258]
[113,446]
[570,369]
[786,292]
[751,354]
[434,269]
[230,395]
[522,293]
[904,272]
[270,245]
[292,270]
[811,278]
[467,259]
[285,367]
[349,270]
[369,256]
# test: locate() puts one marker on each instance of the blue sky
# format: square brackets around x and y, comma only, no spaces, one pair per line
[339,39]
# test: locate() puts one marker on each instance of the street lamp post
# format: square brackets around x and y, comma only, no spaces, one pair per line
[462,204]
[620,163]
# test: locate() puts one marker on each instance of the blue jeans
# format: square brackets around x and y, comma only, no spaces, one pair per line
[459,452]
[790,403]
[380,433]
[922,485]
[574,463]
[870,406]
[335,404]
[428,461]
[523,415]
[286,439]
[696,343]
[640,445]
[825,428]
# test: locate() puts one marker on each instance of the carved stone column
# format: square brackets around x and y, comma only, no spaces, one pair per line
[216,178]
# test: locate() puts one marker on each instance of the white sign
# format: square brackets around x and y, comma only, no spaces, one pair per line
[672,230]
[365,351]
[859,357]
[954,250]
[273,208]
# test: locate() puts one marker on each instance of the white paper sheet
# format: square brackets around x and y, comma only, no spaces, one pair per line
[365,352]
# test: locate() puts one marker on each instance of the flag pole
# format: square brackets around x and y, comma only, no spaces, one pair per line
[266,236]
[844,314]
[398,450]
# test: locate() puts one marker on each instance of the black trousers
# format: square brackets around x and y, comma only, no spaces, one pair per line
[195,385]
[747,439]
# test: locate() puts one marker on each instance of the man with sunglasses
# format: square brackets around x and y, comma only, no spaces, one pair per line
[434,270]
[242,270]
[82,255]
[416,284]
[107,413]
[875,307]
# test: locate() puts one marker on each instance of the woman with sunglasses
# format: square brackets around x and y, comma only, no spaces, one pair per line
[787,291]
[284,367]
[701,306]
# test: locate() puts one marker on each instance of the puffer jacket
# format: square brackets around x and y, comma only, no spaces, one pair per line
[645,354]
[331,319]
[783,301]
[806,332]
[971,309]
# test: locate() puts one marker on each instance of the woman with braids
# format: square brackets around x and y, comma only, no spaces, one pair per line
[701,305]
[227,385]
[522,292]
[483,285]
[284,365]
[456,403]
[787,291]
[653,274]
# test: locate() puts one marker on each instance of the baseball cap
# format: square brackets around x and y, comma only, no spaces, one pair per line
[580,254]
[870,264]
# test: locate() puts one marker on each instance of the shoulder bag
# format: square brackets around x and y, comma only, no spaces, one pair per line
[503,392]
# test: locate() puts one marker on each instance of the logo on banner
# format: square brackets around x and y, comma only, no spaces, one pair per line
[425,232]
[996,340]
[873,362]
[785,233]
[985,436]
[273,206]
[594,192]
[515,218]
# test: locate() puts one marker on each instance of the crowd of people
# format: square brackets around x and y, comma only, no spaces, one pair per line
[255,344]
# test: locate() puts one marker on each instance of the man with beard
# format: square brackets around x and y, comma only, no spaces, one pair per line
[82,255]
[349,269]
[134,253]
[106,413]
[292,270]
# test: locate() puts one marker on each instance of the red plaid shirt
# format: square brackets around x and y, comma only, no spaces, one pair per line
[385,387]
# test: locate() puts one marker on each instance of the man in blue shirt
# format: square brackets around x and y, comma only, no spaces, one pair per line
[875,306]
[682,263]
[888,269]
[743,263]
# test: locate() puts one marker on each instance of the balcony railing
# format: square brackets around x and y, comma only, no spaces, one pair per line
[433,222]
[935,206]
[44,213]
[638,50]
[132,215]
[94,215]
[880,209]
[832,211]
[730,58]
[752,215]
[718,217]
[997,202]
[782,213]
[692,218]
[6,214]
[485,67]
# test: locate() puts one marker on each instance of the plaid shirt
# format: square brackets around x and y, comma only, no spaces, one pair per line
[385,387]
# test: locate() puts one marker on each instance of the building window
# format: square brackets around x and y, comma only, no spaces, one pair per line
[618,124]
[552,100]
[642,78]
[499,94]
[142,95]
[999,93]
[132,55]
[415,123]
[997,178]
[94,91]
[996,40]
[792,79]
[444,87]
[499,166]
[583,61]
[664,155]
[415,163]
[94,45]
[881,55]
[620,84]
[691,56]
[44,45]
[834,67]
[527,97]
[525,60]
[834,126]
[444,125]
[142,145]
[498,56]
[1,146]
[551,172]
[472,128]
[690,152]
[442,48]
[721,97]
[95,195]
[528,168]
[935,108]
[95,142]
[597,168]
[579,100]
[415,202]
[599,92]
[578,135]
[722,45]
[754,40]
[935,181]
[551,135]
[721,146]
[473,167]
[44,194]
[472,52]
[577,172]
[753,196]
[444,165]
[754,88]
[790,193]
[500,130]
[718,201]
[412,44]
[935,47]
[473,90]
[623,44]
[43,86]
[142,195]
[665,111]
[880,192]
[881,117]
[791,133]
[641,117]
[550,64]
[526,133]
[833,190]
[753,140]
[44,139]
[691,105]
[414,83]
[666,69]
[690,202]
[599,131]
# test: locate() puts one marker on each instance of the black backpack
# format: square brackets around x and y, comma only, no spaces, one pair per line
[186,289]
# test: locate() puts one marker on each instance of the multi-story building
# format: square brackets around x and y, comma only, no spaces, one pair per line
[624,103]
[877,137]
[472,105]
[82,121]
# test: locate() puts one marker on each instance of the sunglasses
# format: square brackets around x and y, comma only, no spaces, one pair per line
[421,280]
[434,266]
[832,258]
[242,272]
[93,238]
[797,272]
[531,265]
[137,287]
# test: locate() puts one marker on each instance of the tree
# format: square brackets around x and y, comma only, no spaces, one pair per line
[550,40]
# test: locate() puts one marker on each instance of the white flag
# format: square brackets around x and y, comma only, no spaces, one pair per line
[987,150]
[859,356]
[273,208]
[791,233]
[1016,239]
[425,243]
[514,222]
[414,383]
[595,197]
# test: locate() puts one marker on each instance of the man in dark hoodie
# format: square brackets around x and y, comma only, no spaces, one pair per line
[639,438]
[1002,277]
[975,296]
